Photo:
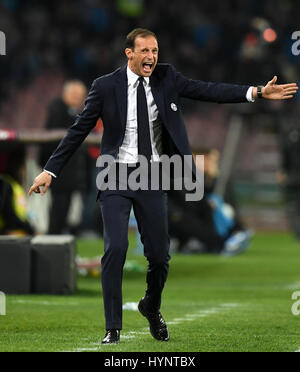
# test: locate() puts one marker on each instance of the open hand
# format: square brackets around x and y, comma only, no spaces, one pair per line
[44,180]
[279,91]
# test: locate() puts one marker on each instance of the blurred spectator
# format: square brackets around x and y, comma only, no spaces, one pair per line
[61,115]
[209,225]
[13,211]
[82,38]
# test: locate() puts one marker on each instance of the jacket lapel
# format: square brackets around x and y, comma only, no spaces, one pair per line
[157,92]
[121,94]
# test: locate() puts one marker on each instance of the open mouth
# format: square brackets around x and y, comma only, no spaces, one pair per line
[147,66]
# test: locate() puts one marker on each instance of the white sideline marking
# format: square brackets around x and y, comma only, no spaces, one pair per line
[188,317]
[297,351]
[178,320]
[137,333]
[202,313]
[133,306]
[45,303]
[230,305]
[127,336]
[82,349]
[292,286]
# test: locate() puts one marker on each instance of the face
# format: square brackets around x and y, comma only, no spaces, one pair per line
[143,59]
[211,162]
[74,95]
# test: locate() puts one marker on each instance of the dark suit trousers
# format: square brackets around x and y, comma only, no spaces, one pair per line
[150,209]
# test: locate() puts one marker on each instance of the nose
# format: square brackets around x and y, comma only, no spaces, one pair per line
[150,55]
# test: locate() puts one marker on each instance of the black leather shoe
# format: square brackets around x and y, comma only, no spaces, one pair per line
[112,336]
[158,326]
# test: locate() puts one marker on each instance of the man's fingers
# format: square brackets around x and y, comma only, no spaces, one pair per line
[291,85]
[45,188]
[273,81]
[44,181]
[290,91]
[34,188]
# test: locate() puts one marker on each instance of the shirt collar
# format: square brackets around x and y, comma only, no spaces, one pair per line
[133,78]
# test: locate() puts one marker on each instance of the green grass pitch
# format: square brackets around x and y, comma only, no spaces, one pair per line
[223,304]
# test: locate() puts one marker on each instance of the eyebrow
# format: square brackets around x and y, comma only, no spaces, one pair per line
[149,48]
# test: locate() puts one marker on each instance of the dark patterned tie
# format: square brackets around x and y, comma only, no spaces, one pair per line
[144,141]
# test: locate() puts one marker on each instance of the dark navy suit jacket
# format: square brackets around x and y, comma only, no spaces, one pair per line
[108,99]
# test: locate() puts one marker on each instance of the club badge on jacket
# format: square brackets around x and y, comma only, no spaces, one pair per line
[174,107]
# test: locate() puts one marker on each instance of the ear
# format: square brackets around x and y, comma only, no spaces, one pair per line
[128,52]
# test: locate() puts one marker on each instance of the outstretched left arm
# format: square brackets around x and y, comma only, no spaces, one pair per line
[276,91]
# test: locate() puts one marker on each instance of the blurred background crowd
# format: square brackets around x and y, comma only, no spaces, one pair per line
[245,42]
[48,42]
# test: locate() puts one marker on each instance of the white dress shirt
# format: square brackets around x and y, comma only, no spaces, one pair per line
[249,95]
[128,152]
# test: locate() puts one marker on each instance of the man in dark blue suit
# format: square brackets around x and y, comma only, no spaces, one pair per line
[140,108]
